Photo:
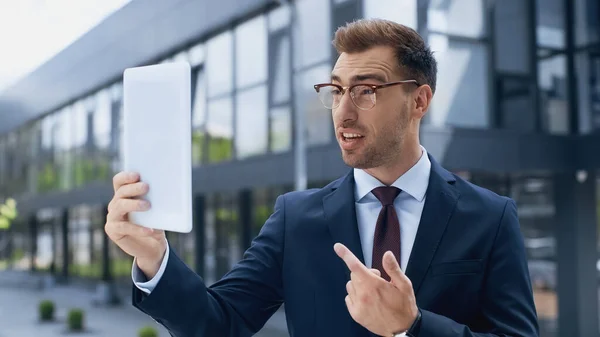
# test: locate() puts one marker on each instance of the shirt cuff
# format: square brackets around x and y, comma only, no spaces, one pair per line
[141,281]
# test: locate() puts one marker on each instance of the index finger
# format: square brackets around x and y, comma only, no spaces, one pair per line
[123,178]
[350,259]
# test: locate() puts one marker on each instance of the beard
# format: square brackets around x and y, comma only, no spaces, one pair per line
[380,150]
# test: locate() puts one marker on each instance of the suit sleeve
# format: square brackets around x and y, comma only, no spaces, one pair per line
[508,306]
[237,305]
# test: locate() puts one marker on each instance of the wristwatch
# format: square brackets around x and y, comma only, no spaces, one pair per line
[413,331]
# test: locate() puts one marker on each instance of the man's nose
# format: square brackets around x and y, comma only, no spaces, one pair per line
[346,110]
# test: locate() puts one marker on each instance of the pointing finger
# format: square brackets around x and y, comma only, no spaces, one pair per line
[350,259]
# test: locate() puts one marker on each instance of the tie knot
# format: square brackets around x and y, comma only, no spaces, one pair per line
[386,194]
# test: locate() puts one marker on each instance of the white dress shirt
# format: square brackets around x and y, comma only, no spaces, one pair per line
[409,206]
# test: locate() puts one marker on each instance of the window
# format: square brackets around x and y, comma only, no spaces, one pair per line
[587,22]
[281,69]
[313,33]
[512,43]
[196,55]
[552,81]
[251,122]
[404,12]
[279,18]
[319,128]
[251,52]
[198,117]
[457,17]
[550,23]
[588,91]
[219,63]
[102,121]
[461,97]
[281,129]
[220,129]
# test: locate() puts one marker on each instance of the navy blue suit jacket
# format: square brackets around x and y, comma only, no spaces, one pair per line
[468,269]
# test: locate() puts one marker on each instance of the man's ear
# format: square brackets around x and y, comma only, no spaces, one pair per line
[422,97]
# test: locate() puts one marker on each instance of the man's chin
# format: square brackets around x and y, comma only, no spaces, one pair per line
[354,160]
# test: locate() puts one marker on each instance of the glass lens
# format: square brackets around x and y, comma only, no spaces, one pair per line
[363,96]
[330,96]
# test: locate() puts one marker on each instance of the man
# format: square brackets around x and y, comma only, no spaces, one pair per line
[398,245]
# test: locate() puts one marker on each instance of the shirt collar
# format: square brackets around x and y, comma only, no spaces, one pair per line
[414,182]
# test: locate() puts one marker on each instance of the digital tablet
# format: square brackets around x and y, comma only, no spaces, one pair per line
[157,142]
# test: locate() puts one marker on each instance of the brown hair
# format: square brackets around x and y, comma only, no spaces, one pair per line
[415,59]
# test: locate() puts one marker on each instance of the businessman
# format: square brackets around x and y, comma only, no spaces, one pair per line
[397,246]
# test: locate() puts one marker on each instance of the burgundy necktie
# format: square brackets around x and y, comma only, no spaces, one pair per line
[387,230]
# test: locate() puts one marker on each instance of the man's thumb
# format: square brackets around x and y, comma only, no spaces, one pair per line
[392,267]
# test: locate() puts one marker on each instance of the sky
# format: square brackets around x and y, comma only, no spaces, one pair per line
[32,31]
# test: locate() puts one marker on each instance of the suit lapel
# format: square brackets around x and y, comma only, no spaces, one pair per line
[341,217]
[439,205]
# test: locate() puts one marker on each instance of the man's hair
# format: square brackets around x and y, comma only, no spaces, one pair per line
[414,57]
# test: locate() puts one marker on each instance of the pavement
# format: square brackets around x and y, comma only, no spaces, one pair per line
[21,293]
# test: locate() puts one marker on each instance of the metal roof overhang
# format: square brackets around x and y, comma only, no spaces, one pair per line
[138,33]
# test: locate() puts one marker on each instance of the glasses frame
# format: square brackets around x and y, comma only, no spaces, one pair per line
[375,87]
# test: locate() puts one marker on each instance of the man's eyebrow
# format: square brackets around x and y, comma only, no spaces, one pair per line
[360,78]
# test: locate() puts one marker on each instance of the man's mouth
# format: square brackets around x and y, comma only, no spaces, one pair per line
[351,136]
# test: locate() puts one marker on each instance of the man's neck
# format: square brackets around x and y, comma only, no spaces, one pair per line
[387,174]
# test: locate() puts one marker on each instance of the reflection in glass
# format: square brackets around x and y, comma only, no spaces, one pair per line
[219,64]
[550,23]
[281,129]
[552,83]
[280,57]
[457,17]
[312,42]
[319,128]
[251,52]
[404,12]
[220,129]
[461,97]
[251,122]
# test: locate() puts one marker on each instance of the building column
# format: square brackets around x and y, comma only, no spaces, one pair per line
[199,205]
[64,222]
[33,234]
[106,292]
[246,217]
[576,252]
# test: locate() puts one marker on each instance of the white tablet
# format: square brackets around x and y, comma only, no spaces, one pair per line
[157,142]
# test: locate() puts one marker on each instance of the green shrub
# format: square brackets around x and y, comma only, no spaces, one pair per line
[148,331]
[75,320]
[46,310]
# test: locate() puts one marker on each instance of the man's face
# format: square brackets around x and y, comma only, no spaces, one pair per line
[381,129]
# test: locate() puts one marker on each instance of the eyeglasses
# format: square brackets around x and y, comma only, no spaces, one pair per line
[363,95]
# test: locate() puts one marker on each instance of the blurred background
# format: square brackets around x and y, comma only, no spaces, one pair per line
[517,111]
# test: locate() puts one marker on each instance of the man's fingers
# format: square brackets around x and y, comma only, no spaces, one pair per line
[132,190]
[391,266]
[375,271]
[123,178]
[118,208]
[351,261]
[350,289]
[119,229]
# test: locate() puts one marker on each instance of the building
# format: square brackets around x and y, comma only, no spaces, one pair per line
[517,111]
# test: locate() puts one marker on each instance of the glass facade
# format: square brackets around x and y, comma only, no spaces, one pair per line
[504,66]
